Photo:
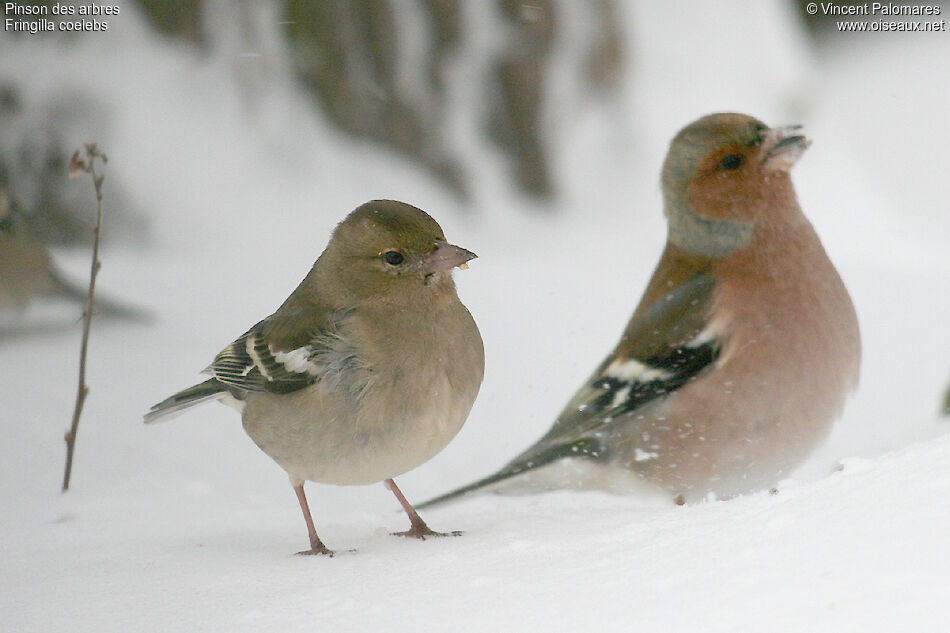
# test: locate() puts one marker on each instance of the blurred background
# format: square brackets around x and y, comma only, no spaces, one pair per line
[240,132]
[519,94]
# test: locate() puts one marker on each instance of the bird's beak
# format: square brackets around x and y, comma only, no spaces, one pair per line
[783,146]
[446,257]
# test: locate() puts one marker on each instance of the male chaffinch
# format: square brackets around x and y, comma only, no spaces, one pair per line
[367,370]
[743,348]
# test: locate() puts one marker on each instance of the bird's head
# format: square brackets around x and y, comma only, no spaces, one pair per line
[392,250]
[723,174]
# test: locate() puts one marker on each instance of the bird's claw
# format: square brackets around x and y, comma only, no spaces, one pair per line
[423,532]
[320,550]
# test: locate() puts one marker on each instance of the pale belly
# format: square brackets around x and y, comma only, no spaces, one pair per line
[319,437]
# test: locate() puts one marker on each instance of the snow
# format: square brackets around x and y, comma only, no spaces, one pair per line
[187,526]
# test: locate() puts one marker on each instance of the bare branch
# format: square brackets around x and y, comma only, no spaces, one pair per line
[80,164]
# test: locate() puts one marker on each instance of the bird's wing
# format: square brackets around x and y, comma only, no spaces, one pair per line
[666,344]
[287,351]
[663,348]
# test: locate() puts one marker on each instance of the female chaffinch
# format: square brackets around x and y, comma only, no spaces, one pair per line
[367,370]
[28,272]
[742,350]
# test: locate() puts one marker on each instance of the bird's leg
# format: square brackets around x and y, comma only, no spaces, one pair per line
[316,545]
[419,528]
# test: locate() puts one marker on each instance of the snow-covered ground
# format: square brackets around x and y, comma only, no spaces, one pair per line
[187,526]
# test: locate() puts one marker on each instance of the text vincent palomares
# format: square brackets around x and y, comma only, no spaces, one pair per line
[877,8]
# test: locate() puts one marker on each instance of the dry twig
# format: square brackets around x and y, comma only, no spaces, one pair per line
[78,165]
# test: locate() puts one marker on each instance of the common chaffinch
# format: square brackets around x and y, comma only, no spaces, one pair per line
[26,270]
[741,351]
[367,370]
[28,273]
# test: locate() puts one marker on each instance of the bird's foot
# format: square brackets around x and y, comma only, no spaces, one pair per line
[419,528]
[422,532]
[318,550]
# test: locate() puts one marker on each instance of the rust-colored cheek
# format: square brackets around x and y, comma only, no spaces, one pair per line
[737,197]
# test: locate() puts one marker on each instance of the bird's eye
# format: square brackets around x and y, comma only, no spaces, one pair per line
[732,161]
[393,258]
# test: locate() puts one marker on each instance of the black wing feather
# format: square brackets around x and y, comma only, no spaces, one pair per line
[626,381]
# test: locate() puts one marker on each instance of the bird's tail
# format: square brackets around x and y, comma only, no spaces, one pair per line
[211,389]
[535,457]
[103,306]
